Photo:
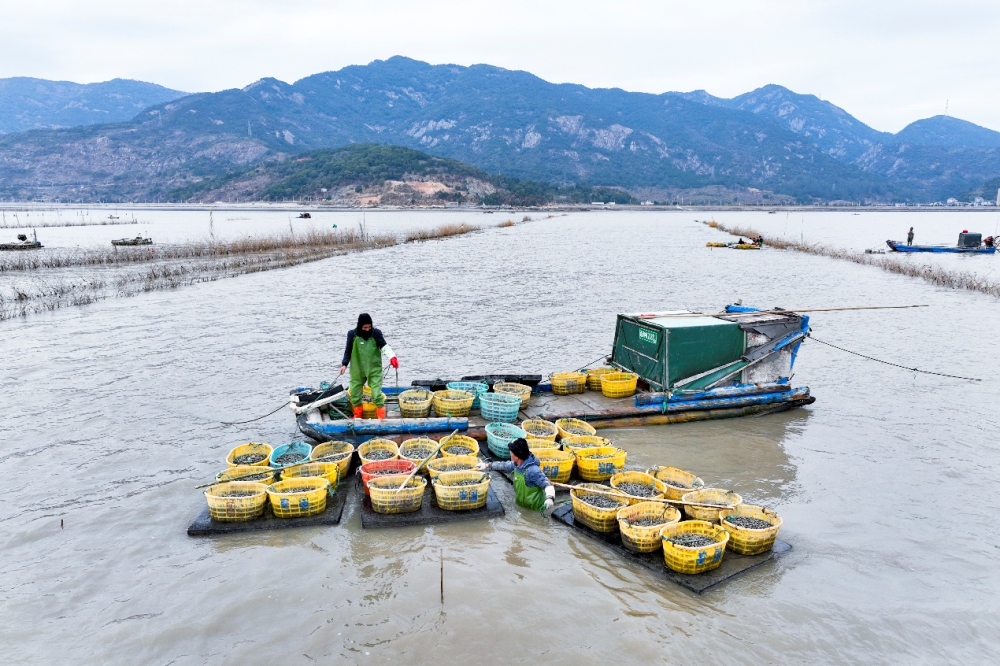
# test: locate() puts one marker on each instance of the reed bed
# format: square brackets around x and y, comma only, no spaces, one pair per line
[443,231]
[17,224]
[899,265]
[504,225]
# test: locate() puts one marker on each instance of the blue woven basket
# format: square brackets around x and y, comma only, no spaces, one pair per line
[501,407]
[475,388]
[294,447]
[499,436]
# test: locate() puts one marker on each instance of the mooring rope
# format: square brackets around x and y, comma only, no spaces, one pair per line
[282,405]
[895,365]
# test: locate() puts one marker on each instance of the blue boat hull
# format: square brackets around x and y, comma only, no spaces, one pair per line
[897,246]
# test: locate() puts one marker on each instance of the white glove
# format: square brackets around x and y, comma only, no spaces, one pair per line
[482,467]
[550,497]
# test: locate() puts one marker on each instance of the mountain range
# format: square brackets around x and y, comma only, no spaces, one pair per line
[770,143]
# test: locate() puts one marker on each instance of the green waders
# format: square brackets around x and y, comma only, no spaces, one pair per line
[529,498]
[366,364]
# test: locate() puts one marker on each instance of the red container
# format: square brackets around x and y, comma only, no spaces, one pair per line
[397,466]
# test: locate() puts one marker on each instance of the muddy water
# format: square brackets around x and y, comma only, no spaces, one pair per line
[886,484]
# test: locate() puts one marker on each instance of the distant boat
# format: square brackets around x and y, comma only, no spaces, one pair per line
[112,217]
[304,216]
[23,243]
[138,240]
[967,244]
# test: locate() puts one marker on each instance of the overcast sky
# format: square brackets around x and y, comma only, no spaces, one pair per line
[887,63]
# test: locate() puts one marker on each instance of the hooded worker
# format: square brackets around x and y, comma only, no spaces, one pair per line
[365,348]
[532,489]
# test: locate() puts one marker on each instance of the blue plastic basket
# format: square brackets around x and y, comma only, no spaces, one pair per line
[499,436]
[500,407]
[475,388]
[294,447]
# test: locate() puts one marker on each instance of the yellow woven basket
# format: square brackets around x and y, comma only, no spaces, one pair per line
[709,496]
[642,538]
[597,519]
[540,429]
[682,482]
[415,403]
[453,403]
[683,559]
[576,443]
[236,509]
[746,541]
[599,469]
[254,448]
[247,473]
[513,388]
[556,465]
[638,477]
[451,464]
[535,444]
[416,449]
[619,384]
[574,427]
[326,470]
[377,445]
[451,497]
[335,452]
[594,377]
[296,498]
[460,440]
[386,499]
[566,383]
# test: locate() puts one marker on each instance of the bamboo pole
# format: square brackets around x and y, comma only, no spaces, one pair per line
[618,493]
[427,459]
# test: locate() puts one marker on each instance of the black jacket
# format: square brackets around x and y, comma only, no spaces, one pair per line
[379,342]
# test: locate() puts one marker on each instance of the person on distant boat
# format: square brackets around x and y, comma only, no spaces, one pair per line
[988,241]
[532,489]
[365,348]
[909,236]
[741,241]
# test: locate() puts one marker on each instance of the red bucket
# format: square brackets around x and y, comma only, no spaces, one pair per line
[396,466]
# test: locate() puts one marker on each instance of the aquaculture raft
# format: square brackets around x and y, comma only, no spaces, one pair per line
[732,564]
[203,525]
[429,513]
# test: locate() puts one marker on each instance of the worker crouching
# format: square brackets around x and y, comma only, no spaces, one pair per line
[365,348]
[532,489]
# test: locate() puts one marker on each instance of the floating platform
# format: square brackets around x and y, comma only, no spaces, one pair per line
[429,513]
[732,565]
[203,525]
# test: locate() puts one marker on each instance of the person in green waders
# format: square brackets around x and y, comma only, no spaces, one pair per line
[532,489]
[365,348]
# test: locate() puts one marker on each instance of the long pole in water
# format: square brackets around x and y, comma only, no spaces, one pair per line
[782,311]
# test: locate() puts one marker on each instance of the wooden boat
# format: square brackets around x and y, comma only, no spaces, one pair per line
[23,243]
[303,216]
[138,240]
[691,367]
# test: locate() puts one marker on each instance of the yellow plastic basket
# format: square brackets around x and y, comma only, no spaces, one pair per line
[416,449]
[683,559]
[619,384]
[451,464]
[566,383]
[326,470]
[377,445]
[746,541]
[236,509]
[599,469]
[460,440]
[335,452]
[556,465]
[574,427]
[513,388]
[247,473]
[643,538]
[453,403]
[596,518]
[676,482]
[594,377]
[451,497]
[576,443]
[296,498]
[638,477]
[709,496]
[386,499]
[540,429]
[415,403]
[535,444]
[253,448]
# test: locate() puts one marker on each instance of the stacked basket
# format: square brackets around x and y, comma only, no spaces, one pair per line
[540,429]
[499,436]
[415,403]
[461,491]
[453,403]
[335,452]
[567,383]
[619,384]
[594,377]
[513,388]
[499,407]
[475,388]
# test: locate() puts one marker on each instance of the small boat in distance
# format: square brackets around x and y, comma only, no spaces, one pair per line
[112,217]
[23,243]
[967,244]
[304,216]
[138,240]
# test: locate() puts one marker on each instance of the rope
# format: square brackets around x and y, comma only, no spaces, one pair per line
[895,365]
[281,406]
[599,358]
